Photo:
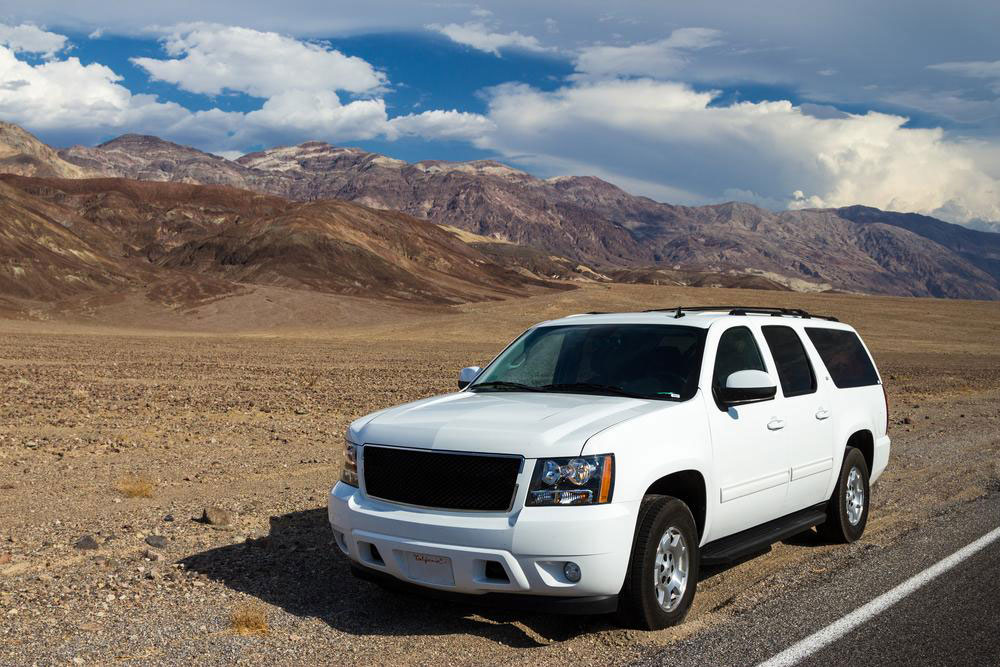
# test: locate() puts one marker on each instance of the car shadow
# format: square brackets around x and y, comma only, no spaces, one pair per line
[298,568]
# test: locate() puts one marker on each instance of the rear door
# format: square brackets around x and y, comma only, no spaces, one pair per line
[749,450]
[809,432]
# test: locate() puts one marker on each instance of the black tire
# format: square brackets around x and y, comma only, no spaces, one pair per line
[838,527]
[638,606]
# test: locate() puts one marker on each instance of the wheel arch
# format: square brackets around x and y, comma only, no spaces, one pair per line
[689,487]
[864,441]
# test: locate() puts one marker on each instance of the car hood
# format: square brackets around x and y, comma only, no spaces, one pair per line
[528,424]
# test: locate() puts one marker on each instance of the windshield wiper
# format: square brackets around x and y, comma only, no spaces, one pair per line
[591,388]
[503,385]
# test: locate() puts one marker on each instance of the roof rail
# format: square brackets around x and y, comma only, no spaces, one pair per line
[679,311]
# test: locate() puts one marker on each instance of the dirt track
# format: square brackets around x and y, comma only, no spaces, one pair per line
[252,424]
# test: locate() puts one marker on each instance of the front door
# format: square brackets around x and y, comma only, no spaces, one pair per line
[749,448]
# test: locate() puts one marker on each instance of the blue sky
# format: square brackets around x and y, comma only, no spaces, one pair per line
[786,104]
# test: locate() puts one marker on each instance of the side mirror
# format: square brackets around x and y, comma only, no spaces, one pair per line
[747,387]
[467,375]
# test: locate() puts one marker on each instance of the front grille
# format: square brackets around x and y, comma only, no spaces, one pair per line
[443,480]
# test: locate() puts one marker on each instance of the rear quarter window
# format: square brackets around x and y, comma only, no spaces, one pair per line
[844,356]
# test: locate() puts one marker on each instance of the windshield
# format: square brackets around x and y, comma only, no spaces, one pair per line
[650,361]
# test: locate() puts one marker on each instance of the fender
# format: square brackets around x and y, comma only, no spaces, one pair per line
[844,432]
[652,446]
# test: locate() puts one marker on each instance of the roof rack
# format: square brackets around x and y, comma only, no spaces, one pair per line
[679,311]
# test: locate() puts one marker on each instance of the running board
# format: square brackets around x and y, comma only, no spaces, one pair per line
[759,539]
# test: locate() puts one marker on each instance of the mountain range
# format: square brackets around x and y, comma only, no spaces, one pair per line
[580,228]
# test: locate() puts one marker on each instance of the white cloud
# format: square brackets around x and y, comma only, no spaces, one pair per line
[96,34]
[65,94]
[210,59]
[296,115]
[67,98]
[659,58]
[665,140]
[27,38]
[482,37]
[977,69]
[438,124]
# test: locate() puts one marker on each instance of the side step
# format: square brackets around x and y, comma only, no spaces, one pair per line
[759,539]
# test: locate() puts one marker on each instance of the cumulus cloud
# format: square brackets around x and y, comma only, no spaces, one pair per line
[295,115]
[657,58]
[484,38]
[64,97]
[439,124]
[27,38]
[65,94]
[668,141]
[210,59]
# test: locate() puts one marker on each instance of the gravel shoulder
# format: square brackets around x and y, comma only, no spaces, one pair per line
[250,423]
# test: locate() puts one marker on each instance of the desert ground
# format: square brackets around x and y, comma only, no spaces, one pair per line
[115,439]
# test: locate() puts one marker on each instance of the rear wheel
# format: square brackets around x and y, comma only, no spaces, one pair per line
[847,510]
[663,569]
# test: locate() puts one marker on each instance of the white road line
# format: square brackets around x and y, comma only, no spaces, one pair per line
[831,633]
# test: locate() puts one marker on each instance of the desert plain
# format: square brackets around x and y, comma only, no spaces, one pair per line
[122,422]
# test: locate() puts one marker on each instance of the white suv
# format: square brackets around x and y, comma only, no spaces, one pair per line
[600,459]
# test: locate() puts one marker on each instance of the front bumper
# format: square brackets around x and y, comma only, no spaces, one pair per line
[530,544]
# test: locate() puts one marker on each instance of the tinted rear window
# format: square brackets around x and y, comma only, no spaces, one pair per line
[794,369]
[844,356]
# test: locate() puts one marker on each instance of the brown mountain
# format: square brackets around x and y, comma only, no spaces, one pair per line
[591,222]
[22,153]
[62,237]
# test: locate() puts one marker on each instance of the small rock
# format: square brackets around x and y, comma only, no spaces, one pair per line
[86,543]
[169,517]
[77,660]
[215,516]
[151,555]
[4,559]
[157,541]
[294,637]
[907,420]
[301,411]
[153,575]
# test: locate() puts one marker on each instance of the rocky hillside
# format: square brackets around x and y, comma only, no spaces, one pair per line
[588,221]
[188,242]
[22,153]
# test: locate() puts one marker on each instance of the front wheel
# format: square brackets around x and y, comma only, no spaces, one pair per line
[847,511]
[663,570]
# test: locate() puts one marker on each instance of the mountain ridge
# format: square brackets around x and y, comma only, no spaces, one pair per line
[182,243]
[594,223]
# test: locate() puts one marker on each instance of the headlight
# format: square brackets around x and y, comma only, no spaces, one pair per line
[581,480]
[349,475]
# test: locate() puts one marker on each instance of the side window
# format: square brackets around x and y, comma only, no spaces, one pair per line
[737,352]
[790,360]
[845,357]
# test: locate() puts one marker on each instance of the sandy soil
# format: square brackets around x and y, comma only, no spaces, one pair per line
[241,407]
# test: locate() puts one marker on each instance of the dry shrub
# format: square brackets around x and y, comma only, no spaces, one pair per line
[135,486]
[249,619]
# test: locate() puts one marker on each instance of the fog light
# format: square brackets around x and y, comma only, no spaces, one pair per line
[572,572]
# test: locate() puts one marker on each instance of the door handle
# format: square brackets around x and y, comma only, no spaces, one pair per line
[822,413]
[776,424]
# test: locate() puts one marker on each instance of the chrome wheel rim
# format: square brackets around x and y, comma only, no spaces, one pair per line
[855,496]
[670,570]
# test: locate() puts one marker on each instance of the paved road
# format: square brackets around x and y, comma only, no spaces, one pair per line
[951,620]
